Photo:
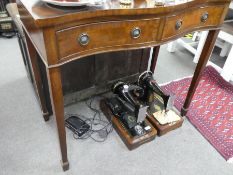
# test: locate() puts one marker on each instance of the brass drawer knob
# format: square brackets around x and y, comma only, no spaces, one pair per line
[204,17]
[136,32]
[83,39]
[178,24]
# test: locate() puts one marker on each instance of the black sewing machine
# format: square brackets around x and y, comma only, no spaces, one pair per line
[154,95]
[160,111]
[127,112]
[127,105]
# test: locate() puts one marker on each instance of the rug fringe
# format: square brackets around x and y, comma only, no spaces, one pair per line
[230,160]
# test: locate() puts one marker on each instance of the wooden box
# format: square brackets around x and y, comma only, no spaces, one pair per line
[163,129]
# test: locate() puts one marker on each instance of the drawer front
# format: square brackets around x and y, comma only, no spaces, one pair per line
[189,20]
[99,36]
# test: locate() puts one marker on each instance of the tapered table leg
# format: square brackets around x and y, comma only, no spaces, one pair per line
[154,58]
[36,76]
[55,87]
[205,55]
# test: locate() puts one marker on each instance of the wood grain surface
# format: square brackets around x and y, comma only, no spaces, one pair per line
[109,27]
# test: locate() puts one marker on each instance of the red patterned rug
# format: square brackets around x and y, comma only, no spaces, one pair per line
[211,110]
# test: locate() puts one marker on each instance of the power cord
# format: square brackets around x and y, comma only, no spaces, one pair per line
[99,127]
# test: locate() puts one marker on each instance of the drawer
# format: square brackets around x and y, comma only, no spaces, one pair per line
[191,19]
[95,37]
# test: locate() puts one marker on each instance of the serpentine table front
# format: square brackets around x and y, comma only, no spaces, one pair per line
[62,36]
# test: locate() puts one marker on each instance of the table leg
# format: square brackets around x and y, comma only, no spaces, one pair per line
[171,46]
[55,88]
[154,58]
[33,56]
[200,46]
[205,54]
[227,70]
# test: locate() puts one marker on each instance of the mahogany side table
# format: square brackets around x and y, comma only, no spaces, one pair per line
[63,36]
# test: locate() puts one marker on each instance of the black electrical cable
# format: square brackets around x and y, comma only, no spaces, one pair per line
[96,111]
[95,120]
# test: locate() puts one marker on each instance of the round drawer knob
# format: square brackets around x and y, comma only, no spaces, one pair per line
[204,17]
[136,32]
[83,39]
[178,24]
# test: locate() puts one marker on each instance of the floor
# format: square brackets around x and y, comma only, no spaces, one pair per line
[28,145]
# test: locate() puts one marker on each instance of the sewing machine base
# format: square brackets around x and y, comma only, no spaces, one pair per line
[163,129]
[130,141]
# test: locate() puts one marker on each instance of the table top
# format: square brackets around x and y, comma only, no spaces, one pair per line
[47,15]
